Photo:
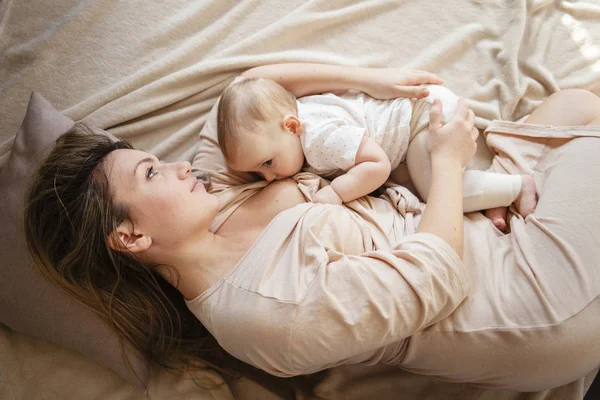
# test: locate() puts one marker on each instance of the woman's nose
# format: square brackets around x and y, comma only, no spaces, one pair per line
[183,169]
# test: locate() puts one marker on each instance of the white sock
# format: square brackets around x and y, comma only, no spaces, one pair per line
[483,190]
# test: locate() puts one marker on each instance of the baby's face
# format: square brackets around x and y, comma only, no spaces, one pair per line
[274,153]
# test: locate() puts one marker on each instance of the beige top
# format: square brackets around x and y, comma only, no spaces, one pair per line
[327,285]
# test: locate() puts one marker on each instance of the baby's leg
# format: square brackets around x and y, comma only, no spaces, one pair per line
[525,203]
[481,190]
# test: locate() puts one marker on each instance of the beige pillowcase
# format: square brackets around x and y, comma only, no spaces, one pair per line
[28,303]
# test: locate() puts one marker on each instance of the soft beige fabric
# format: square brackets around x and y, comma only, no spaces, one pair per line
[536,292]
[326,285]
[150,71]
[329,285]
[37,370]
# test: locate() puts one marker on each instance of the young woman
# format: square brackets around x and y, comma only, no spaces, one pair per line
[293,287]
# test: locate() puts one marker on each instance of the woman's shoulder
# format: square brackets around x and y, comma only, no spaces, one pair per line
[285,257]
[257,302]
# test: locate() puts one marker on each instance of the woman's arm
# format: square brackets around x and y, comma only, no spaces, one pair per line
[443,215]
[357,304]
[381,83]
[451,146]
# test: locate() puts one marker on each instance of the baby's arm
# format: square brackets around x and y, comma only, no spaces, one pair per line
[371,170]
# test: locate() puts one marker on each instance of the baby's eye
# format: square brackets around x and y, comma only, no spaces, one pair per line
[150,173]
[268,163]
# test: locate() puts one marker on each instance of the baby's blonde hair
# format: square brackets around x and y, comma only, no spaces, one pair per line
[248,103]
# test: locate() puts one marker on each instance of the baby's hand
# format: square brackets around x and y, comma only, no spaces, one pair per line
[327,196]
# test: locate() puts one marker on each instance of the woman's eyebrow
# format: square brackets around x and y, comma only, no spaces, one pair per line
[143,160]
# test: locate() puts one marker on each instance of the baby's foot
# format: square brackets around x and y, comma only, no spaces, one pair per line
[527,199]
[498,217]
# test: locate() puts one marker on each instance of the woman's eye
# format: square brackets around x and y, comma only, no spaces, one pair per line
[150,173]
[268,163]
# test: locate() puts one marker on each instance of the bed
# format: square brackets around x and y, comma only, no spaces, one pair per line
[151,71]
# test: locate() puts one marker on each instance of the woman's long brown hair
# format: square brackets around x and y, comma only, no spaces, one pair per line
[68,217]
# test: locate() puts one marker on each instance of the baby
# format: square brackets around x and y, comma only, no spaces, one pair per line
[354,139]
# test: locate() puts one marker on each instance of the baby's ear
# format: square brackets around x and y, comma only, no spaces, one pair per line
[292,124]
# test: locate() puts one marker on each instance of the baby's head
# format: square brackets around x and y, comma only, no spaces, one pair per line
[259,130]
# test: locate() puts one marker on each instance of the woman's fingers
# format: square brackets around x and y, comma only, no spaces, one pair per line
[461,116]
[471,118]
[389,83]
[436,114]
[462,111]
[417,77]
[413,92]
[455,139]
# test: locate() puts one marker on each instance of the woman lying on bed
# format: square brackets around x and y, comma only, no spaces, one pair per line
[294,287]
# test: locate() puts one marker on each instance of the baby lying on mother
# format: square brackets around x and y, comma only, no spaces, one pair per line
[293,286]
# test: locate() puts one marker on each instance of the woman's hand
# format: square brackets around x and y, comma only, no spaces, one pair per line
[304,79]
[390,83]
[450,146]
[454,141]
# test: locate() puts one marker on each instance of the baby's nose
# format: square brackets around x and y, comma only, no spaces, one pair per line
[269,176]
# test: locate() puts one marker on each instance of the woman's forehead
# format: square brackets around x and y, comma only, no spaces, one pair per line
[127,158]
[125,164]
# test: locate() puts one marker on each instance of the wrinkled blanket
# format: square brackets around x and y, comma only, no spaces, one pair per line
[149,71]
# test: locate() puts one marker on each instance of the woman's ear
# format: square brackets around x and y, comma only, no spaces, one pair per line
[292,124]
[125,239]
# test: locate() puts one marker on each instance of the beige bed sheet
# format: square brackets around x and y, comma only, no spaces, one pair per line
[151,70]
[34,370]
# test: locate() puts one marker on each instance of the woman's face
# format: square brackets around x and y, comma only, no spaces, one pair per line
[164,201]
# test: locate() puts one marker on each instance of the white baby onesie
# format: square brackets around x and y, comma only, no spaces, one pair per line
[334,126]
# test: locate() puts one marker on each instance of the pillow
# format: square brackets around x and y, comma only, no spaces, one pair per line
[28,303]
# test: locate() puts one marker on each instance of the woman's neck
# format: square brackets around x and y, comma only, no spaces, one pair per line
[203,261]
[200,263]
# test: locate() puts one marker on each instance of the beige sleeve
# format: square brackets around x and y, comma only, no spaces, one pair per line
[358,304]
